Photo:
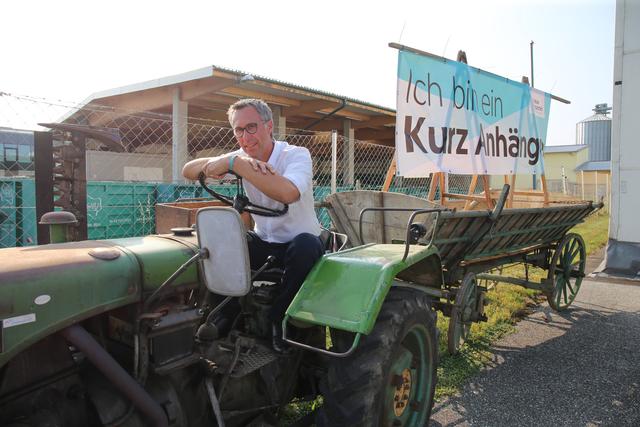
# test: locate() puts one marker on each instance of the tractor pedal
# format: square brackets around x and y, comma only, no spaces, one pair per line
[253,359]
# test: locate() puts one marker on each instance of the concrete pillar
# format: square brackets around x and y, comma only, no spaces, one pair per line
[348,156]
[279,122]
[179,139]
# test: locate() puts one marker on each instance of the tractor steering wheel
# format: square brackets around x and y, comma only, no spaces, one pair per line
[240,201]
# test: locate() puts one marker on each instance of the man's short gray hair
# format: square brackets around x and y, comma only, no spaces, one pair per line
[261,107]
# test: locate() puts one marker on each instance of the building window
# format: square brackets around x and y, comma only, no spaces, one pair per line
[25,154]
[10,153]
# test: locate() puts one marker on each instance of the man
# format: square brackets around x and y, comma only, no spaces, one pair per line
[274,173]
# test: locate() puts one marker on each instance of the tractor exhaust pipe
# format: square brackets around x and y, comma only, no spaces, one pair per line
[84,342]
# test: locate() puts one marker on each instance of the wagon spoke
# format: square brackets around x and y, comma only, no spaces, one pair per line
[558,295]
[564,292]
[575,252]
[568,253]
[574,245]
[570,287]
[565,251]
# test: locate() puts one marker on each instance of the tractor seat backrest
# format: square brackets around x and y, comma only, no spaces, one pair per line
[332,241]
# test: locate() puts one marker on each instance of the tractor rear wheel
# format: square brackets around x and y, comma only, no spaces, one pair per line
[390,379]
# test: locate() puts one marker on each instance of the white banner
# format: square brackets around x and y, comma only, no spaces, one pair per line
[458,119]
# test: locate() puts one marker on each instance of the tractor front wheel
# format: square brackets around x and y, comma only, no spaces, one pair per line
[390,379]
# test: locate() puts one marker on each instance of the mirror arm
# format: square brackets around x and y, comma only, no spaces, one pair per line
[172,278]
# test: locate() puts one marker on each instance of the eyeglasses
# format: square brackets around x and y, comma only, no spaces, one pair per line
[251,128]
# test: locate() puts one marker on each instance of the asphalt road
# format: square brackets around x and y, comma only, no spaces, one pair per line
[576,368]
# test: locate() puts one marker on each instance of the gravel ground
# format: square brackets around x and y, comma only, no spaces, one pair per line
[576,368]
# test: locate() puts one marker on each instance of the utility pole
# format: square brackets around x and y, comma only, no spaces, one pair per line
[531,50]
[531,60]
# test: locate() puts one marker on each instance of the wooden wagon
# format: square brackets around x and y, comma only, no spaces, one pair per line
[471,244]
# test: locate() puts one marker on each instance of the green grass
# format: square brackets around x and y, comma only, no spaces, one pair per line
[594,231]
[507,304]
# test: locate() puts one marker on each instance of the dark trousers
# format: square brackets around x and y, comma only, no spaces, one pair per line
[296,258]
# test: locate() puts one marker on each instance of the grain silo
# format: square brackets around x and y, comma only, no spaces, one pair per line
[595,132]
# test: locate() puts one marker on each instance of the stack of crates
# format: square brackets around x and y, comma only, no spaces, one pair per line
[17,212]
[120,209]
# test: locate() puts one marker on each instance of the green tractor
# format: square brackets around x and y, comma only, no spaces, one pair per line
[127,332]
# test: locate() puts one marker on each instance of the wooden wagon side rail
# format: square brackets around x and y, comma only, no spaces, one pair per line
[467,236]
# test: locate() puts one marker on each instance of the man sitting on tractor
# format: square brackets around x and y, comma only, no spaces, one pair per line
[273,173]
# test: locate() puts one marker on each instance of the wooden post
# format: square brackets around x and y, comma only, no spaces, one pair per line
[433,186]
[472,190]
[512,191]
[443,187]
[390,173]
[545,192]
[487,191]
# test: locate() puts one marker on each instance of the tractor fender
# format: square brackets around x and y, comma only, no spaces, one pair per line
[345,290]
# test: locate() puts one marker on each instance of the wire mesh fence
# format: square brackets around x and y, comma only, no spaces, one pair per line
[124,186]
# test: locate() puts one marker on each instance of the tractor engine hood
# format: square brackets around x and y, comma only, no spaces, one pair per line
[46,288]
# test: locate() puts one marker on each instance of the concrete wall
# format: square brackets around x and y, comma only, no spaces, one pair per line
[625,159]
[623,249]
[107,166]
[553,163]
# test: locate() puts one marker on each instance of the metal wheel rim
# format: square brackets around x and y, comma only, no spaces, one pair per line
[567,271]
[412,358]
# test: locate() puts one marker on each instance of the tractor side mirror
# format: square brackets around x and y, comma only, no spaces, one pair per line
[226,268]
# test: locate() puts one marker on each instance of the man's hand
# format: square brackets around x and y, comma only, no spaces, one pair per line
[216,167]
[263,167]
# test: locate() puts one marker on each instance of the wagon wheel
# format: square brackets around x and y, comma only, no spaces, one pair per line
[462,313]
[566,271]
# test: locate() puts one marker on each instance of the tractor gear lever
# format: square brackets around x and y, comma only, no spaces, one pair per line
[270,260]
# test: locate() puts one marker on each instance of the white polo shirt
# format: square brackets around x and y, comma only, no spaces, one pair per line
[293,163]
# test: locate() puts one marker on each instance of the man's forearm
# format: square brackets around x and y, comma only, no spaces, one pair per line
[273,186]
[192,169]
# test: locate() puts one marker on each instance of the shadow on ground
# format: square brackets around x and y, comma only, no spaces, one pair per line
[581,368]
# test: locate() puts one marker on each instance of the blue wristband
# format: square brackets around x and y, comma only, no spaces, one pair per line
[231,160]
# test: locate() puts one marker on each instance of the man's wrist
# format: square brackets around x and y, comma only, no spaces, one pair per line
[232,159]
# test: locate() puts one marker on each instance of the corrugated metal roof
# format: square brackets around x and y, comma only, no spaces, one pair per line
[208,72]
[596,117]
[601,111]
[15,136]
[603,165]
[564,148]
[292,85]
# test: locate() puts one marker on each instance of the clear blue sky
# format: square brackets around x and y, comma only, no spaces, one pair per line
[70,49]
